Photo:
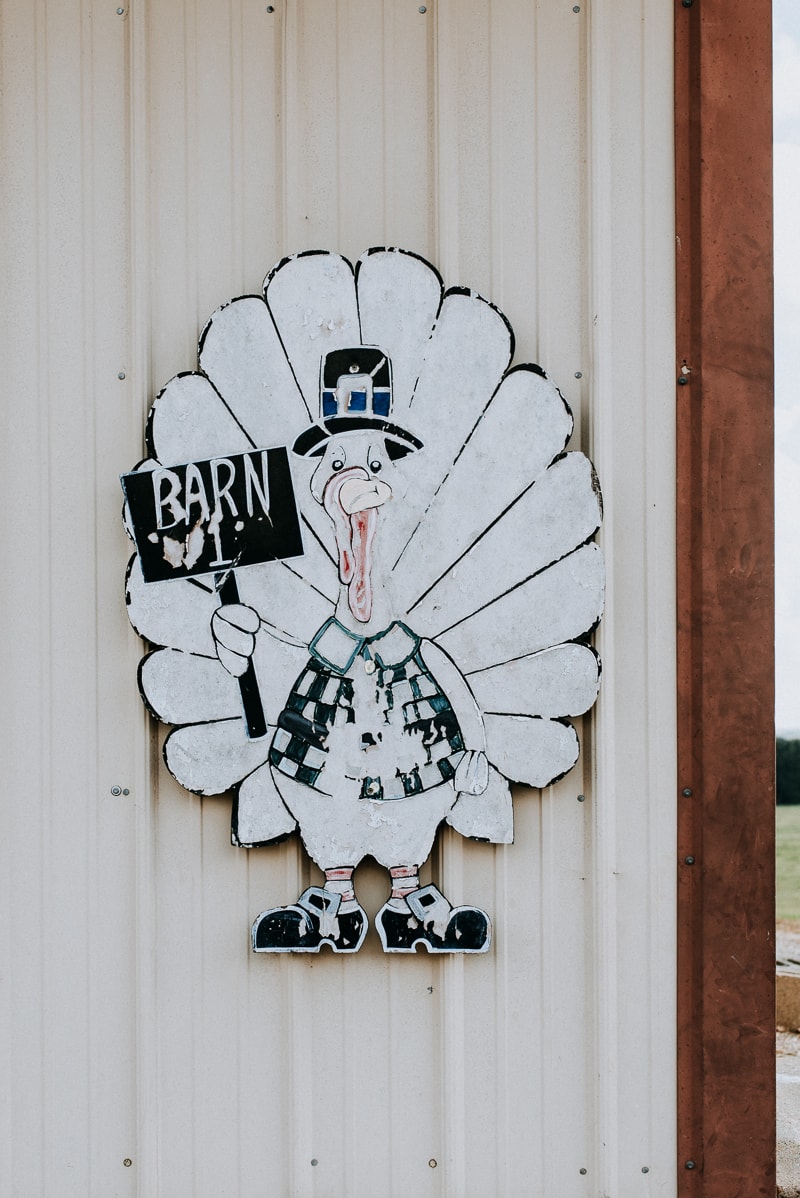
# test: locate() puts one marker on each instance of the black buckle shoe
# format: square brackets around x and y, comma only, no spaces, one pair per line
[314,920]
[433,923]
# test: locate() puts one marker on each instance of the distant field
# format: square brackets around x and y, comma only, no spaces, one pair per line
[787,862]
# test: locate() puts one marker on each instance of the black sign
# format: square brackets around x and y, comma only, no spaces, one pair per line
[207,517]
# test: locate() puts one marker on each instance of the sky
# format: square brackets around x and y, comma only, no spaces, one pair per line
[786,27]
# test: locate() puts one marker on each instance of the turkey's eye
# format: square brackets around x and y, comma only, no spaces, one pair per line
[337,463]
[376,466]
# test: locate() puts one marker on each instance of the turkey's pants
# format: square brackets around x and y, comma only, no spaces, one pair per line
[341,831]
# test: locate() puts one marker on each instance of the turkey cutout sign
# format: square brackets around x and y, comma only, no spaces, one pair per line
[369,562]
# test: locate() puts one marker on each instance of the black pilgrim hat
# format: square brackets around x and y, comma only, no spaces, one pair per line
[355,392]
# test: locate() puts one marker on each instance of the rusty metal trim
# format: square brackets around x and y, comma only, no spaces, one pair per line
[726,737]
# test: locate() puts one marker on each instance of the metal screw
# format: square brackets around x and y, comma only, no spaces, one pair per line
[127,1162]
[578,374]
[422,8]
[688,4]
[582,1172]
[121,374]
[576,8]
[581,798]
[682,381]
[645,1169]
[116,790]
[270,8]
[432,1163]
[690,1164]
[125,790]
[315,1161]
[120,11]
[689,860]
[687,792]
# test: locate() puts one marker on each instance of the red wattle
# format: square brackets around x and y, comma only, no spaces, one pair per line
[362,535]
[355,534]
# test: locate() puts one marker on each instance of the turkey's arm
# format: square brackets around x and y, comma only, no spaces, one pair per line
[455,687]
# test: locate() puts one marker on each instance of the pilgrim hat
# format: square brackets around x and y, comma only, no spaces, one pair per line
[355,387]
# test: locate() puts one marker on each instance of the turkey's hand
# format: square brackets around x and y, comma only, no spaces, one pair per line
[234,627]
[472,773]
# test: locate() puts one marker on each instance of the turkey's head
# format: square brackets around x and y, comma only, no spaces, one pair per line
[358,443]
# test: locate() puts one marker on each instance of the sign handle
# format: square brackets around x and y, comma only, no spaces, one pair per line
[248,683]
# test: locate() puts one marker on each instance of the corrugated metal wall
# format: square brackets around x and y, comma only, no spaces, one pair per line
[158,160]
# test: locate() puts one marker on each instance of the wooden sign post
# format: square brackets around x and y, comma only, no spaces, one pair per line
[211,517]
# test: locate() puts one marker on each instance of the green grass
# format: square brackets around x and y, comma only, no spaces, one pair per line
[787,862]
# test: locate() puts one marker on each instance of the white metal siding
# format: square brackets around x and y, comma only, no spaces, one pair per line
[157,163]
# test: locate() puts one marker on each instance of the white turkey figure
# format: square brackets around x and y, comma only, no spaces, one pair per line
[430,642]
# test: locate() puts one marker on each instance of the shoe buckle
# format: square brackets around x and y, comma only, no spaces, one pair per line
[324,906]
[431,909]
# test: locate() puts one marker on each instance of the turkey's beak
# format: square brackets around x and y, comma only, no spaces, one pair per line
[359,494]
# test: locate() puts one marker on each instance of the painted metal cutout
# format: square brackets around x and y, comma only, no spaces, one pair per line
[369,563]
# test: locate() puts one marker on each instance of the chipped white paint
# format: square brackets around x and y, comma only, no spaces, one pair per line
[378,737]
[526,150]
